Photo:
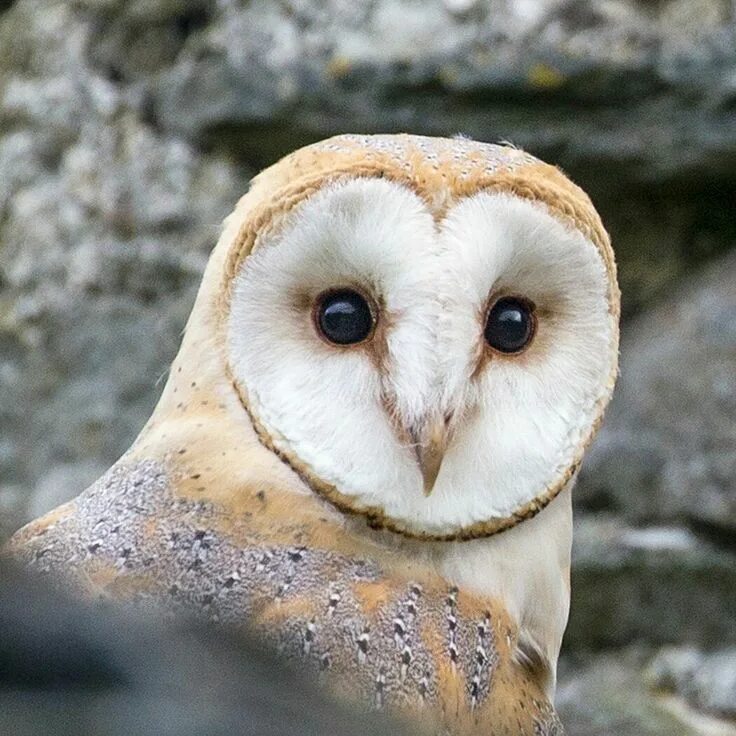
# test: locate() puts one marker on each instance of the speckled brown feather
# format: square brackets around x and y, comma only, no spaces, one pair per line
[392,636]
[201,514]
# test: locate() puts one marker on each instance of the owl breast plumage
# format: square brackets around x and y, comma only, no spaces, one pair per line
[382,495]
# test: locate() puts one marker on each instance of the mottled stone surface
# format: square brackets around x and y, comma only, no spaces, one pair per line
[707,681]
[611,694]
[106,221]
[667,451]
[655,585]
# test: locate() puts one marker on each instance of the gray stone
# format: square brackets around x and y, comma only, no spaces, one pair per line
[706,680]
[714,685]
[638,67]
[667,451]
[105,226]
[657,585]
[612,694]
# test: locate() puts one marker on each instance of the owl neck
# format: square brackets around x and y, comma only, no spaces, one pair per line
[528,568]
[525,568]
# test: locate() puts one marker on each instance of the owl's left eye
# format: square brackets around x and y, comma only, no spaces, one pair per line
[510,325]
[344,317]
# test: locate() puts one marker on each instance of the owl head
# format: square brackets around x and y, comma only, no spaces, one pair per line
[424,330]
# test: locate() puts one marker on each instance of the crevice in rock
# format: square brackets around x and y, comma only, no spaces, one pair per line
[258,145]
[717,535]
[193,19]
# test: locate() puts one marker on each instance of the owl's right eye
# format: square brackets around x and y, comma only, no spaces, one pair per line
[510,325]
[344,317]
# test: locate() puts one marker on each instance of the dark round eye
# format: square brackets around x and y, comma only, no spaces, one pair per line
[510,325]
[344,317]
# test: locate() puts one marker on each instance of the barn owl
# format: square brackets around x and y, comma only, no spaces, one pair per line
[365,449]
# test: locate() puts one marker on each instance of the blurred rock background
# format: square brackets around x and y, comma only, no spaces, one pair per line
[129,129]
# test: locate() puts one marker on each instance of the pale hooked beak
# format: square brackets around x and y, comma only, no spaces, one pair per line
[431,439]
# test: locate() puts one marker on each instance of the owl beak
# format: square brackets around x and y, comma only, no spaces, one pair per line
[431,442]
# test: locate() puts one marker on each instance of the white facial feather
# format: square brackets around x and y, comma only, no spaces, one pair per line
[519,421]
